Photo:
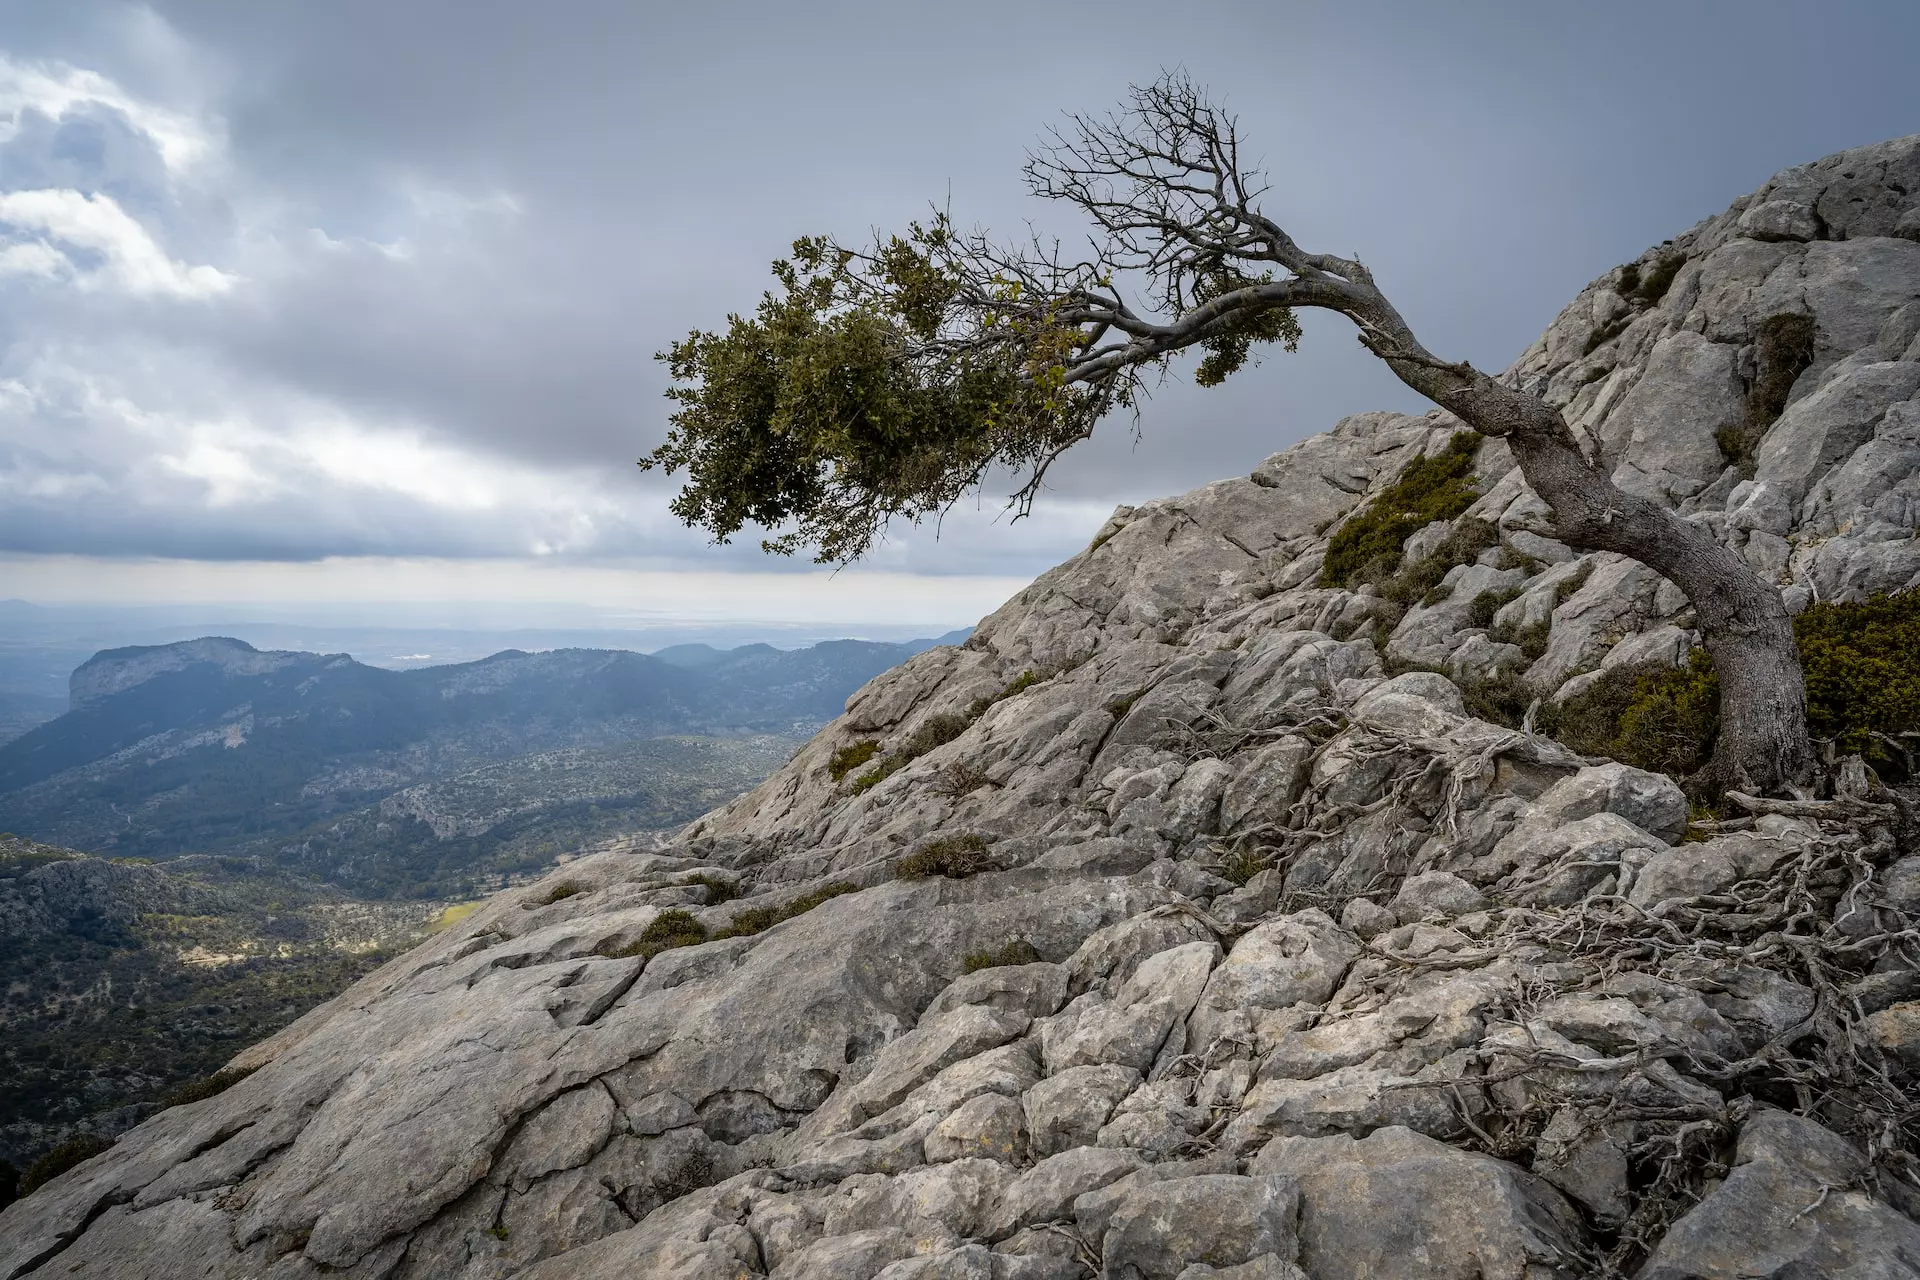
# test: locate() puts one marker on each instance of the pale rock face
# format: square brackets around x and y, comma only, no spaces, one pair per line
[1272,890]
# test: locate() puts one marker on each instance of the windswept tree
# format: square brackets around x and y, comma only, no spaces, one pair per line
[888,380]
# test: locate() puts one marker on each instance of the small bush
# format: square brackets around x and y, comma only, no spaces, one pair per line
[1863,675]
[1649,287]
[1242,865]
[206,1087]
[718,890]
[955,857]
[667,931]
[565,889]
[1486,604]
[74,1151]
[934,732]
[1435,487]
[760,919]
[1016,951]
[849,758]
[1651,716]
[1422,579]
[1604,333]
[961,778]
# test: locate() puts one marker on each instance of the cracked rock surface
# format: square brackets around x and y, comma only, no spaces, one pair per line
[1291,968]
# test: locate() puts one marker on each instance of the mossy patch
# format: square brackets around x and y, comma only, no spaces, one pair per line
[718,890]
[1015,951]
[760,919]
[206,1087]
[1863,676]
[1439,486]
[665,932]
[851,757]
[72,1152]
[1862,666]
[934,732]
[955,857]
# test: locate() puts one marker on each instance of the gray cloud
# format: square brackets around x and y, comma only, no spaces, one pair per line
[293,280]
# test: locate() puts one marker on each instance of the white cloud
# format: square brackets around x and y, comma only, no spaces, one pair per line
[130,257]
[54,88]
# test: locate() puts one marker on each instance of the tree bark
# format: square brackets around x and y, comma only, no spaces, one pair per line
[1763,745]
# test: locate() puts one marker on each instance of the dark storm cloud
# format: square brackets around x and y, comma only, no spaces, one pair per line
[388,277]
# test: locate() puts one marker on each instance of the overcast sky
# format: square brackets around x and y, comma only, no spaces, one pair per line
[358,299]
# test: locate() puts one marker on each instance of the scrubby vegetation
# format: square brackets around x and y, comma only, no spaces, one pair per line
[565,889]
[955,857]
[74,1151]
[1014,951]
[205,1087]
[1783,348]
[1367,548]
[934,732]
[665,932]
[759,919]
[1862,664]
[851,757]
[718,890]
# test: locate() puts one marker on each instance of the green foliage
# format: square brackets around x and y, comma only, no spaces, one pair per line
[1243,865]
[1436,487]
[1862,667]
[1862,664]
[1229,345]
[934,732]
[1783,348]
[841,402]
[1480,612]
[205,1087]
[1645,290]
[1651,716]
[665,932]
[851,757]
[955,857]
[74,1151]
[759,919]
[499,1231]
[565,889]
[718,890]
[1014,951]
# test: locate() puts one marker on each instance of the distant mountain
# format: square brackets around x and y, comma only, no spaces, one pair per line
[213,746]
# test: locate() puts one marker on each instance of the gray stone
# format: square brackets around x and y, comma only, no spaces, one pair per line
[1046,1192]
[1067,1110]
[991,1126]
[1436,895]
[1789,1207]
[1159,1229]
[1396,1204]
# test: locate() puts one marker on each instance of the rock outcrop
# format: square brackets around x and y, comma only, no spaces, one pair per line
[1249,960]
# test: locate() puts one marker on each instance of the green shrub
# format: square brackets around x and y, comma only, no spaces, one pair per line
[205,1087]
[955,857]
[665,932]
[1016,951]
[849,758]
[759,919]
[1862,665]
[1436,487]
[1863,674]
[1783,348]
[565,889]
[1486,604]
[1650,715]
[1644,290]
[72,1152]
[1243,865]
[934,732]
[718,890]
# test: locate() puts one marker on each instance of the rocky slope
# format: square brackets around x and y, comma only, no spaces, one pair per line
[1480,1016]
